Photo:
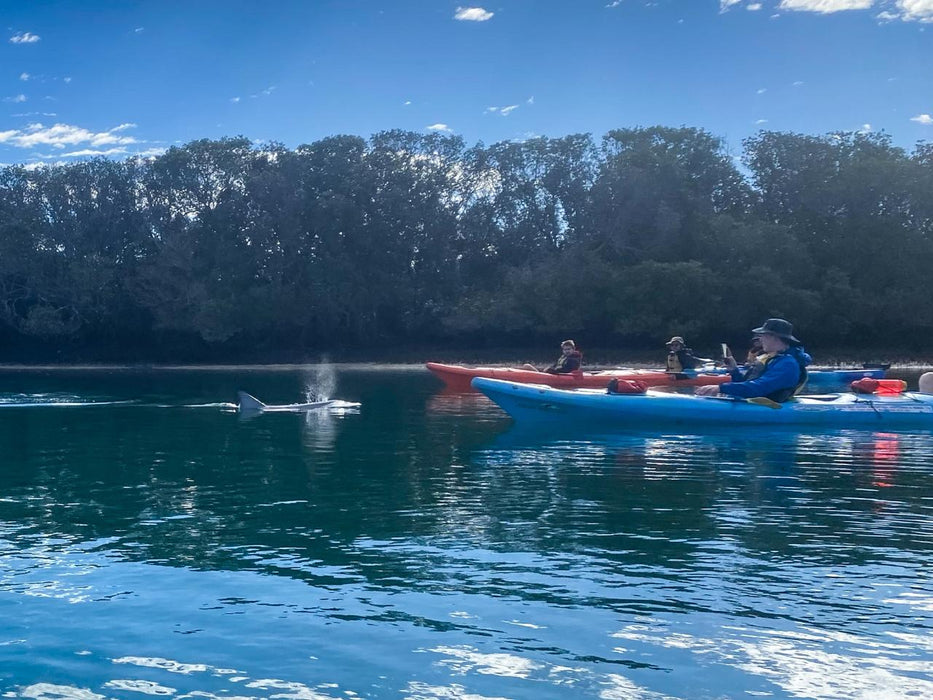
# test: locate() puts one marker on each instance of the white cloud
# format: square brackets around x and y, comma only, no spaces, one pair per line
[866,128]
[761,121]
[16,98]
[797,83]
[530,100]
[504,111]
[922,119]
[614,3]
[62,135]
[825,6]
[472,14]
[139,29]
[67,79]
[150,153]
[35,114]
[24,76]
[726,4]
[265,93]
[406,103]
[91,152]
[754,6]
[761,91]
[916,10]
[24,38]
[234,100]
[438,127]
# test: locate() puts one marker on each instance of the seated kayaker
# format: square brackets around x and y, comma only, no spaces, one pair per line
[777,374]
[569,361]
[754,351]
[679,356]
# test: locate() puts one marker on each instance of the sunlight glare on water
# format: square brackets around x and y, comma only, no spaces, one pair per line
[420,545]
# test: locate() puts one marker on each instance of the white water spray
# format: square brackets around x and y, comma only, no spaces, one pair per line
[321,382]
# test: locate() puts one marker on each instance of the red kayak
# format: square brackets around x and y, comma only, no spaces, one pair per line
[458,377]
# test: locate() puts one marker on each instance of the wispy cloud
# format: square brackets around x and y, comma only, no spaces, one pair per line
[797,83]
[16,98]
[234,100]
[139,30]
[91,152]
[761,121]
[24,76]
[825,6]
[35,114]
[264,93]
[753,6]
[614,3]
[473,14]
[922,119]
[438,127]
[63,135]
[24,38]
[761,91]
[724,5]
[504,111]
[530,100]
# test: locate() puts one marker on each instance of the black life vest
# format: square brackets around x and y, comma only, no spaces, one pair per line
[564,365]
[678,361]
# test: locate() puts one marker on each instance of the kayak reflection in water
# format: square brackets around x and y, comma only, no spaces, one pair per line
[777,374]
[569,361]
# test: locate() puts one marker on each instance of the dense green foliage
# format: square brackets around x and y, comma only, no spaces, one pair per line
[221,247]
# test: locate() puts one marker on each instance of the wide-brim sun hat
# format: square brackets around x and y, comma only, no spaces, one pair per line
[779,327]
[675,339]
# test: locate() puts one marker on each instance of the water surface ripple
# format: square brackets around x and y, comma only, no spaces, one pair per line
[422,546]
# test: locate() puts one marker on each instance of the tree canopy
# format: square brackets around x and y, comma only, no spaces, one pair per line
[219,246]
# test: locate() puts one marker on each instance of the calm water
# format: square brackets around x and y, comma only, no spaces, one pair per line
[422,547]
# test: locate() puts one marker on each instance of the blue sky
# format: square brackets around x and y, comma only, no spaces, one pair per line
[124,78]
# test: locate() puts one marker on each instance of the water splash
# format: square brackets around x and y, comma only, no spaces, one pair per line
[321,381]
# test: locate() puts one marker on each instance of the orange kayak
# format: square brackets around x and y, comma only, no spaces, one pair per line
[458,376]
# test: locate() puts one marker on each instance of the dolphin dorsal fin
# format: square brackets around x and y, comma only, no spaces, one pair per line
[246,402]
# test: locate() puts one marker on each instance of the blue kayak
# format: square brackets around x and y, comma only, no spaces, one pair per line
[542,404]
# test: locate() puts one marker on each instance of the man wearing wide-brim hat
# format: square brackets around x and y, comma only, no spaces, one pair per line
[777,374]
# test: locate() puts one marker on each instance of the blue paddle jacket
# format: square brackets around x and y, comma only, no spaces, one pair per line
[777,379]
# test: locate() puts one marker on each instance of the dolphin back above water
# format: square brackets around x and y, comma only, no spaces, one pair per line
[248,403]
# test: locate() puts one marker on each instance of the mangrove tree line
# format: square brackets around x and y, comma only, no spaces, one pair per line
[219,248]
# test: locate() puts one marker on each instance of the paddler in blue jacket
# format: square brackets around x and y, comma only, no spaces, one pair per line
[777,373]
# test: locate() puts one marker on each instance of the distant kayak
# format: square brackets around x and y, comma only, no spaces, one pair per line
[459,377]
[541,404]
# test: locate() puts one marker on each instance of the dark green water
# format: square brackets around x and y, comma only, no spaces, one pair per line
[421,547]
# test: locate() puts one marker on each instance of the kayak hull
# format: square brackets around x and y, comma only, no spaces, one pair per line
[541,404]
[459,377]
